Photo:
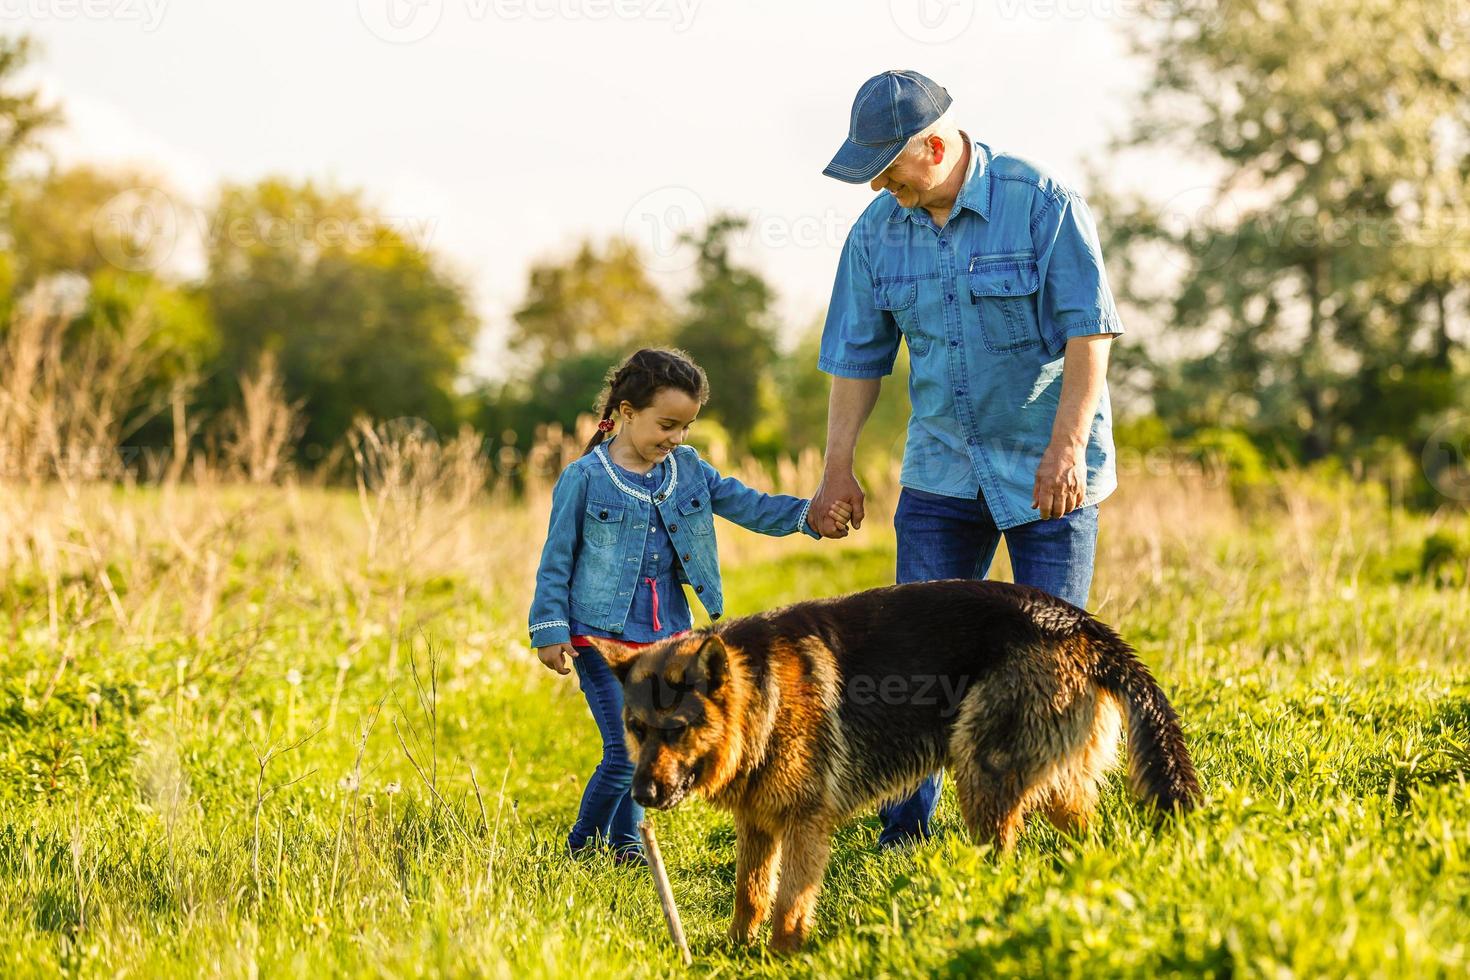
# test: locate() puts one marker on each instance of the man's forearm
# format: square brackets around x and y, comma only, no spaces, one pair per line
[1084,374]
[848,408]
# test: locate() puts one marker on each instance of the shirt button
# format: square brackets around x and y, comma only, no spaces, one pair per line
[699,590]
[970,441]
[944,243]
[949,297]
[673,527]
[960,392]
[954,343]
[685,556]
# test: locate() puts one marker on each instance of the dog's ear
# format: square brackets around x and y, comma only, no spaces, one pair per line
[619,656]
[709,666]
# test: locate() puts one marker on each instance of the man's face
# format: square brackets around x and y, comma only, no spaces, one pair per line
[911,178]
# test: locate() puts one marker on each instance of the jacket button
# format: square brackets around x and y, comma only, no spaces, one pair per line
[714,616]
[602,515]
[696,501]
[685,556]
[673,528]
[699,590]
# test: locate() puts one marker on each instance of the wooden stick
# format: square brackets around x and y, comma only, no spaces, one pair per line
[665,893]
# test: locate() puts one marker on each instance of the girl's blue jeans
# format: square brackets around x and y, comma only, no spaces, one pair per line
[608,814]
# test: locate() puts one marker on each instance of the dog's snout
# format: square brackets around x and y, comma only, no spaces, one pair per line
[645,792]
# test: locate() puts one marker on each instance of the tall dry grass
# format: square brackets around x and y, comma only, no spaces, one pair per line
[155,552]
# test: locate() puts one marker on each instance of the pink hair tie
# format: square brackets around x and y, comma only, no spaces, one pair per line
[606,425]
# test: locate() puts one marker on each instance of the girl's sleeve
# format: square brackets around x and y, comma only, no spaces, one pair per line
[550,621]
[775,514]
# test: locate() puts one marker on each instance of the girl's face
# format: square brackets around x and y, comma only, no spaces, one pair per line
[654,431]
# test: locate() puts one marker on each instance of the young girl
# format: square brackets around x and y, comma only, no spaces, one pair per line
[632,522]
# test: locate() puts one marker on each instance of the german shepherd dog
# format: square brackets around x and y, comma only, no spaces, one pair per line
[798,718]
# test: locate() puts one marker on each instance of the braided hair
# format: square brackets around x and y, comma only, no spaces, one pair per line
[642,376]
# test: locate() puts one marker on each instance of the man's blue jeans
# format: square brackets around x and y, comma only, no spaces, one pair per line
[948,537]
[608,815]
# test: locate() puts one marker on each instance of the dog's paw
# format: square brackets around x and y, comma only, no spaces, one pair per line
[786,943]
[743,934]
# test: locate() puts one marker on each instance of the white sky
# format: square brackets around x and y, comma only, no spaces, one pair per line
[508,130]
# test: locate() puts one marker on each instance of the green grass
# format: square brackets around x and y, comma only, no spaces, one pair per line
[1327,705]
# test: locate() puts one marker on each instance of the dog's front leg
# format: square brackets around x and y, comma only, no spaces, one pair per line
[757,861]
[805,847]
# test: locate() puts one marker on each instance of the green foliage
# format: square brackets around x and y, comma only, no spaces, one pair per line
[1232,451]
[598,300]
[1445,559]
[1141,433]
[60,221]
[23,114]
[557,393]
[1328,262]
[362,318]
[727,328]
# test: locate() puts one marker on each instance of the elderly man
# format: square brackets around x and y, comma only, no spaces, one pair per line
[990,270]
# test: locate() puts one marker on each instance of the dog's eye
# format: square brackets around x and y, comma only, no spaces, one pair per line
[674,729]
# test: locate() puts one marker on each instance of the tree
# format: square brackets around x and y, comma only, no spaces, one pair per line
[1330,258]
[599,300]
[69,256]
[23,116]
[361,318]
[727,327]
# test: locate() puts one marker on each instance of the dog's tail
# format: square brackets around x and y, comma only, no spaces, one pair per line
[1159,767]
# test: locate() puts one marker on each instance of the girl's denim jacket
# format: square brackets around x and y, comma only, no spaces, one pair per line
[589,566]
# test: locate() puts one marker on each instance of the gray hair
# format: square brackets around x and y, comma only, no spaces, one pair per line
[944,127]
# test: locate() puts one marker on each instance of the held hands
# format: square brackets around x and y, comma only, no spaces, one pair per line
[838,501]
[555,657]
[834,523]
[1061,480]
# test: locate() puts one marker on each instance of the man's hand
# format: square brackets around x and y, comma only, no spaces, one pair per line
[555,657]
[1061,480]
[837,518]
[837,485]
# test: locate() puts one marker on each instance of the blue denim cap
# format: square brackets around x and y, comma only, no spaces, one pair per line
[889,109]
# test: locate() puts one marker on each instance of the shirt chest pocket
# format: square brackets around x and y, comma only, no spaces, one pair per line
[603,524]
[694,512]
[1002,304]
[901,300]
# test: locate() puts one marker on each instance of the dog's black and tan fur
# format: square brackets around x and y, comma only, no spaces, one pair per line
[798,718]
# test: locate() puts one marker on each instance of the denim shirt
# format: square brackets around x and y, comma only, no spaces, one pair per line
[986,305]
[660,608]
[599,526]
